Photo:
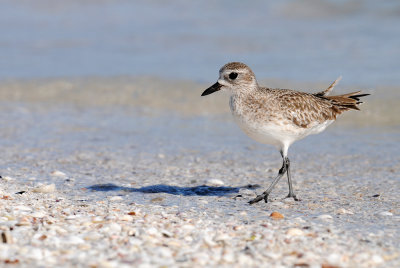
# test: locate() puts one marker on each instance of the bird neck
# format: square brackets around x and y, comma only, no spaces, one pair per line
[245,90]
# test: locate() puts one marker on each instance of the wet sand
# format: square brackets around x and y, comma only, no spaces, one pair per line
[154,96]
[114,172]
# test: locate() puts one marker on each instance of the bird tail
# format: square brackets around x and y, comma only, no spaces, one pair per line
[329,89]
[346,101]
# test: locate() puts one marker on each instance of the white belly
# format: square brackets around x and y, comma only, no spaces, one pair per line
[263,133]
[277,134]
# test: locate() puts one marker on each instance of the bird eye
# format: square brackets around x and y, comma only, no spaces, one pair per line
[233,75]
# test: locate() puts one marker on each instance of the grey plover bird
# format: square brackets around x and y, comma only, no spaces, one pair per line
[279,116]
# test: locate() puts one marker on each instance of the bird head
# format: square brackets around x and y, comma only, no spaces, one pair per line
[234,77]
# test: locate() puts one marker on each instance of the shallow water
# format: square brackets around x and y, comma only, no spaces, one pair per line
[307,41]
[66,137]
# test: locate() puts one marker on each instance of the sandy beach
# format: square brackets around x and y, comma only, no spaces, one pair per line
[133,180]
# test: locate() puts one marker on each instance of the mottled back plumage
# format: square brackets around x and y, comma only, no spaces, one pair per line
[303,109]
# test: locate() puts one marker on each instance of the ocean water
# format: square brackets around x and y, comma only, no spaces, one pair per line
[313,40]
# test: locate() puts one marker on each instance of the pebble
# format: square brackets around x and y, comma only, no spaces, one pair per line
[33,253]
[276,215]
[92,236]
[166,233]
[114,227]
[245,260]
[247,192]
[116,198]
[40,236]
[294,232]
[152,231]
[59,230]
[6,237]
[385,213]
[278,204]
[38,214]
[299,220]
[45,188]
[7,178]
[209,241]
[376,259]
[157,199]
[73,240]
[58,173]
[72,217]
[334,258]
[222,238]
[342,211]
[290,201]
[22,208]
[111,217]
[188,227]
[214,182]
[126,218]
[98,219]
[325,217]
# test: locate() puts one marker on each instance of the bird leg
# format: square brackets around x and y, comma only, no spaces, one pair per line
[291,192]
[265,194]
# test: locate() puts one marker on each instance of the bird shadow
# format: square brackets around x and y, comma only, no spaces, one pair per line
[201,190]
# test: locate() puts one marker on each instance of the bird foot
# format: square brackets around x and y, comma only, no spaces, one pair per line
[259,198]
[293,196]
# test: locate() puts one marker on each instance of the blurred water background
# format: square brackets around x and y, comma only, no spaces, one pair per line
[312,40]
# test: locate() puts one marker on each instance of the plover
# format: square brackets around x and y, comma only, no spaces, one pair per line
[279,116]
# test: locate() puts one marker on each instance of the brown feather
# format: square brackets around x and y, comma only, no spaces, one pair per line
[346,101]
[329,89]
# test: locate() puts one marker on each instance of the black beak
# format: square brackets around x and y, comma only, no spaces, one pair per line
[212,89]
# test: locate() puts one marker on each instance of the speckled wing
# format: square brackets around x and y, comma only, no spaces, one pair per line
[305,110]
